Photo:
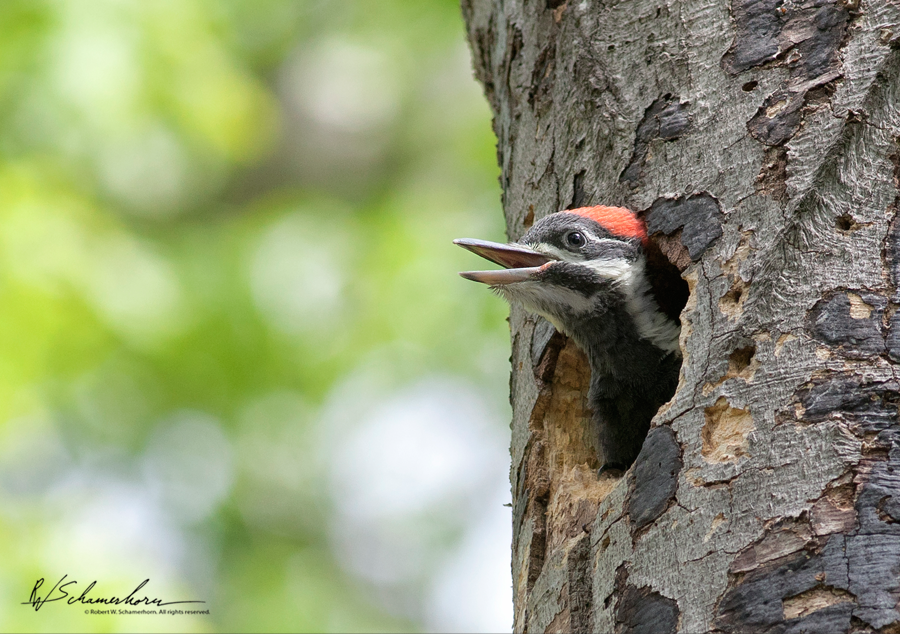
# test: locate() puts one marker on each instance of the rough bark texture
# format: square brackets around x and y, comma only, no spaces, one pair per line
[760,139]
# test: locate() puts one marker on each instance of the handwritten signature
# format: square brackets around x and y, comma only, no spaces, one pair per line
[37,602]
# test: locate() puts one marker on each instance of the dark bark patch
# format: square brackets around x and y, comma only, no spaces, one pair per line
[819,51]
[643,611]
[780,540]
[766,30]
[889,509]
[698,216]
[819,588]
[820,95]
[781,114]
[620,583]
[878,502]
[874,577]
[778,119]
[894,158]
[873,549]
[892,340]
[806,36]
[674,121]
[758,23]
[654,477]
[755,600]
[666,119]
[866,407]
[538,550]
[514,44]
[851,322]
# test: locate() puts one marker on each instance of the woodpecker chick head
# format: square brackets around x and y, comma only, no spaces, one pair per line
[573,267]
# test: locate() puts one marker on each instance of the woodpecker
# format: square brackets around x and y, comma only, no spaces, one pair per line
[585,271]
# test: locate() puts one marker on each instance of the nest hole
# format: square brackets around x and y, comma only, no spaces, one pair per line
[740,359]
[669,289]
[733,296]
[845,222]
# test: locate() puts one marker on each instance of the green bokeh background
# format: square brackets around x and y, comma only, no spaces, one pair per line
[220,212]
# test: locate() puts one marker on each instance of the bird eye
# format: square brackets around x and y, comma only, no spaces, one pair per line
[575,239]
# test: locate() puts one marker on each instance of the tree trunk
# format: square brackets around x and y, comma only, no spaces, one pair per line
[760,141]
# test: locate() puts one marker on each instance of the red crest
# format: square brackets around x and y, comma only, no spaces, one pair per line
[617,220]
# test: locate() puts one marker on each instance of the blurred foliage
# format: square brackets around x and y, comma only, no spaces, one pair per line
[211,214]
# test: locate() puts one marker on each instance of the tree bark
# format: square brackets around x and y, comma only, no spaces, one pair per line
[760,141]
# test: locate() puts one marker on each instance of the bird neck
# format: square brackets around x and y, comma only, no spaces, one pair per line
[625,336]
[650,322]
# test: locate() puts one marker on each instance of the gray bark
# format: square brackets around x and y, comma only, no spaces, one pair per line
[760,140]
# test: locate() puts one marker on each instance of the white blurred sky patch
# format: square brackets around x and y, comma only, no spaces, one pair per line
[343,85]
[100,526]
[421,446]
[298,272]
[33,458]
[411,470]
[473,592]
[101,513]
[188,465]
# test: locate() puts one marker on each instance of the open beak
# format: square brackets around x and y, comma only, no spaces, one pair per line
[521,263]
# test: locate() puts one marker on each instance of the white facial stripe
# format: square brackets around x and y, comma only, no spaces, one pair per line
[617,269]
[651,324]
[610,240]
